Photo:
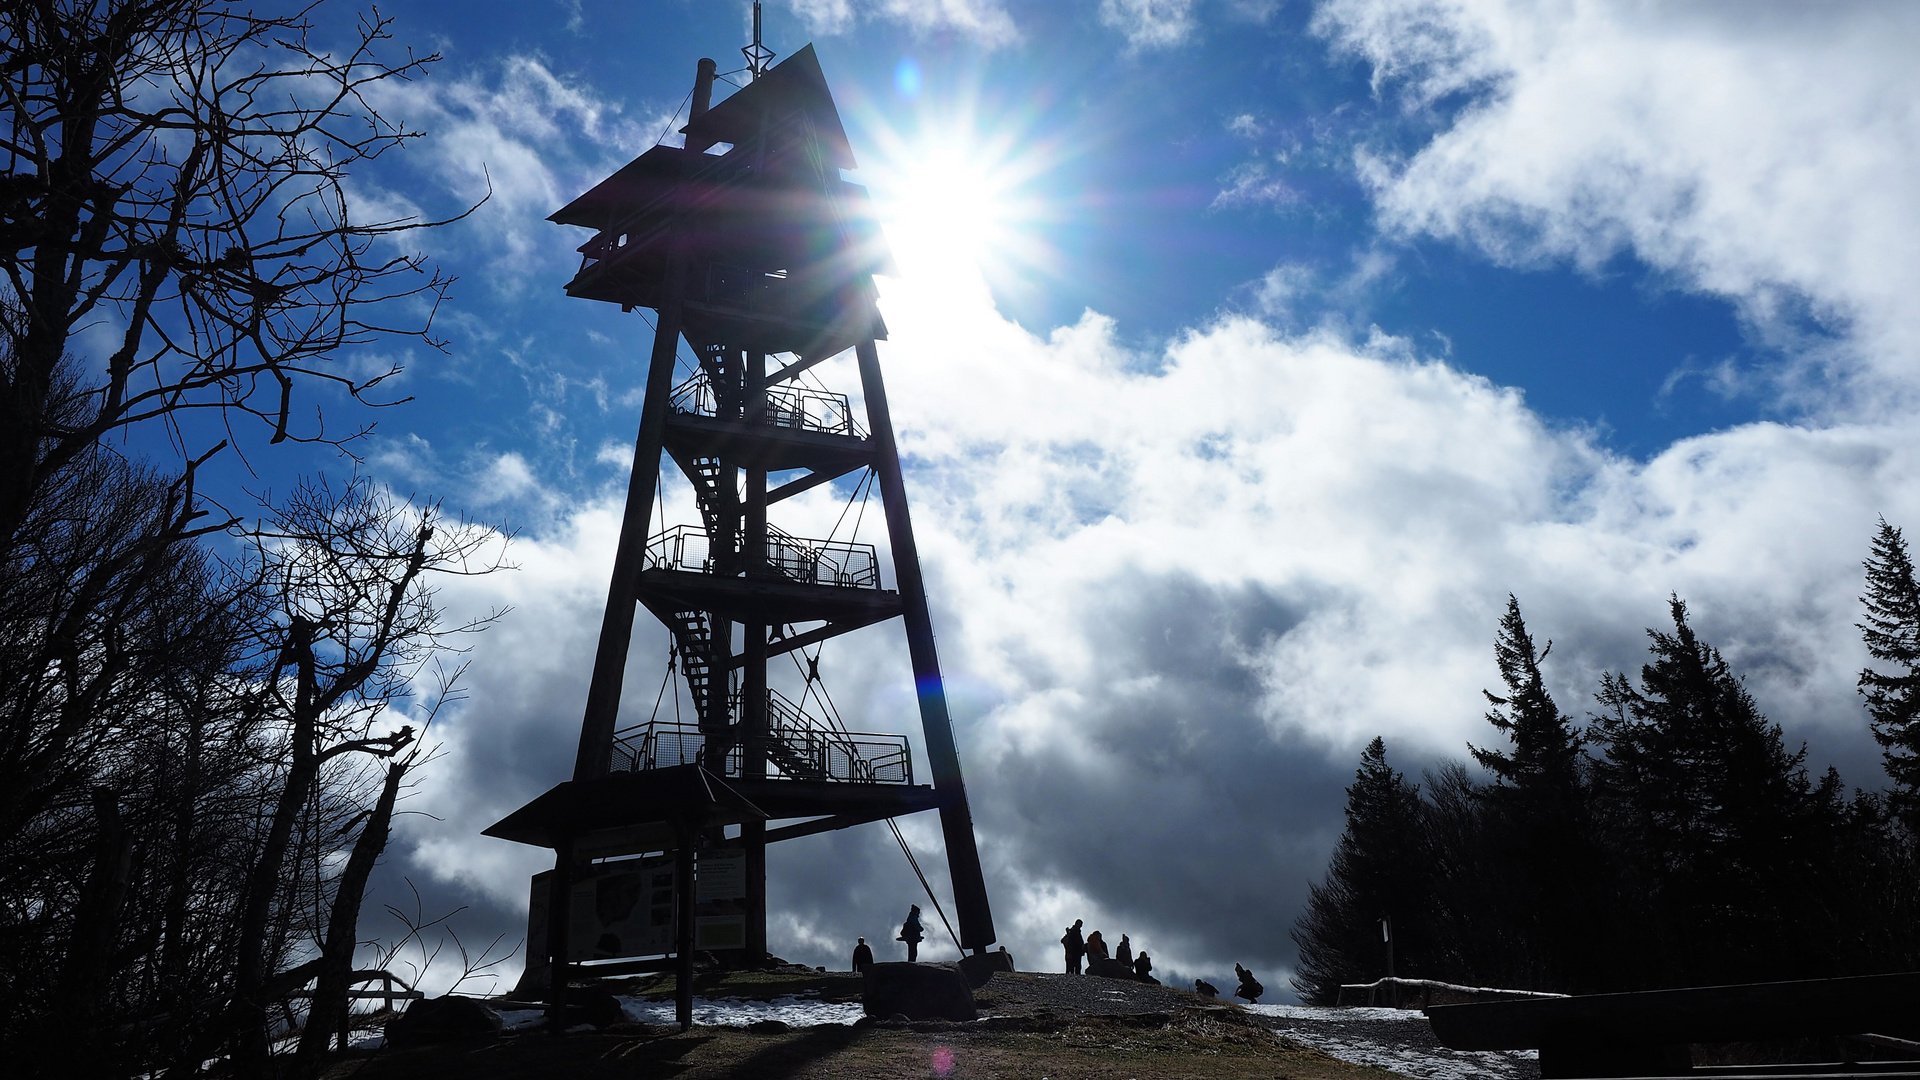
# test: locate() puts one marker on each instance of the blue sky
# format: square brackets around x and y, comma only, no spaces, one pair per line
[1245,356]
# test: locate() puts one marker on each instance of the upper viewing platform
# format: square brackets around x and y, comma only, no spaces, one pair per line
[777,250]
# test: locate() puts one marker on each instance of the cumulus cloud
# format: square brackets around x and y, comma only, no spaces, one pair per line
[518,136]
[1186,586]
[1178,588]
[985,21]
[1150,24]
[1766,153]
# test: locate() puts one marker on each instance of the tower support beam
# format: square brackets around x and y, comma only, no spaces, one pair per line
[956,821]
[616,625]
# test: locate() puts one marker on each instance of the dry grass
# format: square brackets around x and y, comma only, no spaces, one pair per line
[1185,1047]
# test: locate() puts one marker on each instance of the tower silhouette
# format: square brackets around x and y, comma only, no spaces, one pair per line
[749,245]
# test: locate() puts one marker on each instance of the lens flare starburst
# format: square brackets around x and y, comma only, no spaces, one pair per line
[963,197]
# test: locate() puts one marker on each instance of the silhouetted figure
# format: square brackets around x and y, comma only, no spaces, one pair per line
[1123,952]
[1075,946]
[862,956]
[1249,987]
[1096,947]
[1205,989]
[1143,969]
[912,933]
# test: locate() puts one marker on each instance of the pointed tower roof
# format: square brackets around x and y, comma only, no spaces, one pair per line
[792,91]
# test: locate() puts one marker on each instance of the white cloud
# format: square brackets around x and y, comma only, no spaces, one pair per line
[1253,184]
[520,136]
[1150,24]
[985,21]
[1189,587]
[1764,153]
[1185,586]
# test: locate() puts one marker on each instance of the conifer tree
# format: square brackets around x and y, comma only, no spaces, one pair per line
[1892,635]
[1381,868]
[1544,760]
[1540,860]
[1713,809]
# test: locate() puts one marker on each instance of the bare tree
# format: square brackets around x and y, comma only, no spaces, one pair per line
[355,626]
[176,171]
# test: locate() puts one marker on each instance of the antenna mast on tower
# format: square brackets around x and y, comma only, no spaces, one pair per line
[757,55]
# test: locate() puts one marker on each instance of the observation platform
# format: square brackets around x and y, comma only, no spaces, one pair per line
[806,581]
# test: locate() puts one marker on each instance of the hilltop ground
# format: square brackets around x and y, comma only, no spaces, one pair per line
[1032,1026]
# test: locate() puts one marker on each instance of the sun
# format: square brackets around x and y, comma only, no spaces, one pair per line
[959,199]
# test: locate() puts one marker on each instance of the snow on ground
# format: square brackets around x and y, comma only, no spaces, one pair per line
[739,1012]
[1396,1039]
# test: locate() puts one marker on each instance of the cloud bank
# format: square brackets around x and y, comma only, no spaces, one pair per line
[1765,153]
[1178,588]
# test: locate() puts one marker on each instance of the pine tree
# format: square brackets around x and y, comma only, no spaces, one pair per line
[1712,808]
[1539,881]
[1892,635]
[1380,868]
[1544,760]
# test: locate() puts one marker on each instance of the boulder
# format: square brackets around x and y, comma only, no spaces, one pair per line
[1112,969]
[442,1019]
[594,1005]
[980,967]
[917,991]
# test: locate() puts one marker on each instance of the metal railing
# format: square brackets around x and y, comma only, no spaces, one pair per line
[795,407]
[809,562]
[796,747]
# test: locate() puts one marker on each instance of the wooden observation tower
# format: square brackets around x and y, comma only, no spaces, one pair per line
[747,244]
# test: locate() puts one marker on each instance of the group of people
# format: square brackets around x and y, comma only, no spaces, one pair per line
[1249,987]
[911,932]
[1092,948]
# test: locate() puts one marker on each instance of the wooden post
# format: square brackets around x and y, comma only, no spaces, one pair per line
[559,919]
[753,682]
[683,909]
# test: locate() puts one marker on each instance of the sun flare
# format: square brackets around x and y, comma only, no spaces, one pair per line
[957,200]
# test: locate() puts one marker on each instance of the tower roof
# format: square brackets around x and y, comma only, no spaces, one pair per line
[791,91]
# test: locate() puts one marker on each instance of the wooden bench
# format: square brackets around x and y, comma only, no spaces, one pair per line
[1648,1033]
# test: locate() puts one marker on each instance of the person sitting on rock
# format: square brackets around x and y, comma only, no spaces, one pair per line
[1096,947]
[1123,952]
[862,956]
[912,933]
[1249,987]
[1205,989]
[1075,946]
[1143,969]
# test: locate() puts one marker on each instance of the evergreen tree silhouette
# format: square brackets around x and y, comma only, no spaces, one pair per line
[1539,850]
[1714,813]
[1381,867]
[1892,635]
[1543,765]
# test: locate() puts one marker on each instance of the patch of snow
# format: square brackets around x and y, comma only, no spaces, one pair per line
[1323,1014]
[1395,1039]
[521,1019]
[739,1012]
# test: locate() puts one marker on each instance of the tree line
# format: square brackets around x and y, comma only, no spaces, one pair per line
[207,718]
[1672,839]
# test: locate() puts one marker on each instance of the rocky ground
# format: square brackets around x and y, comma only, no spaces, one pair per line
[1032,1026]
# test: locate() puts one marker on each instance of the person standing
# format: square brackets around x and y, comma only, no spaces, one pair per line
[912,933]
[1076,947]
[1123,952]
[862,956]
